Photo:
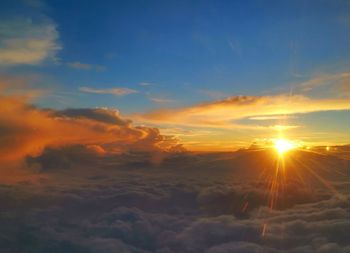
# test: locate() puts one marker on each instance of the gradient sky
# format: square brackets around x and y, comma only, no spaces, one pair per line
[185,57]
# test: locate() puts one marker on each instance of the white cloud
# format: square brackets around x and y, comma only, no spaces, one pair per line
[23,41]
[145,84]
[114,91]
[161,100]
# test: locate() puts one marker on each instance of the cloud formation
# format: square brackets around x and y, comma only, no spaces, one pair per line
[113,91]
[27,130]
[223,113]
[108,116]
[122,203]
[25,41]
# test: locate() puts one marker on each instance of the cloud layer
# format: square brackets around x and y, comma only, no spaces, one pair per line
[189,203]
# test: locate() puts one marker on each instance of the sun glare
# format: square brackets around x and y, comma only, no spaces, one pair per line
[282,146]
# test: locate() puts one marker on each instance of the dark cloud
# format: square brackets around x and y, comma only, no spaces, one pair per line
[99,114]
[238,247]
[64,157]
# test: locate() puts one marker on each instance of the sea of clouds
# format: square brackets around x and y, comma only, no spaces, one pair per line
[98,203]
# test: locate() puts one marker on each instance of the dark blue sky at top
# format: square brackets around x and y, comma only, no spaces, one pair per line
[186,48]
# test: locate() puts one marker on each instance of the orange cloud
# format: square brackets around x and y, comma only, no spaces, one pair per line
[27,130]
[223,113]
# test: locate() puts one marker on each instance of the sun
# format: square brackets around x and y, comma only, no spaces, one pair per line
[282,146]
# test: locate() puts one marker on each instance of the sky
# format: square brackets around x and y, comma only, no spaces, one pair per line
[174,126]
[279,65]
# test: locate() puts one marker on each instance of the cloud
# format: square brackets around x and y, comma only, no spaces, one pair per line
[223,113]
[104,115]
[189,203]
[146,84]
[161,100]
[238,247]
[274,117]
[27,86]
[24,41]
[27,130]
[85,66]
[344,85]
[114,91]
[326,84]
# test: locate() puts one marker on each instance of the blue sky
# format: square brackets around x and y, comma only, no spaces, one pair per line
[171,54]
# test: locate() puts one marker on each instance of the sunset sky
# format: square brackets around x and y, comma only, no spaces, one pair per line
[174,126]
[215,75]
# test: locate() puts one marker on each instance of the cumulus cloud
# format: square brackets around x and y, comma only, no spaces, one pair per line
[114,91]
[25,41]
[26,129]
[223,113]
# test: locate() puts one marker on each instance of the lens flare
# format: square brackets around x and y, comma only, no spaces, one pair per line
[282,146]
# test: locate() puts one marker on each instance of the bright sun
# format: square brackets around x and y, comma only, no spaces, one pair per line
[282,146]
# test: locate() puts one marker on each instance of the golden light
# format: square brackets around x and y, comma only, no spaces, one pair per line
[282,146]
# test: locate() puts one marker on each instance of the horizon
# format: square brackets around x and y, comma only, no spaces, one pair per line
[174,126]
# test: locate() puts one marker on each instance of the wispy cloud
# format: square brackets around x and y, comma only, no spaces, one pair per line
[224,113]
[274,117]
[85,66]
[24,41]
[161,100]
[113,91]
[146,84]
[326,84]
[234,45]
